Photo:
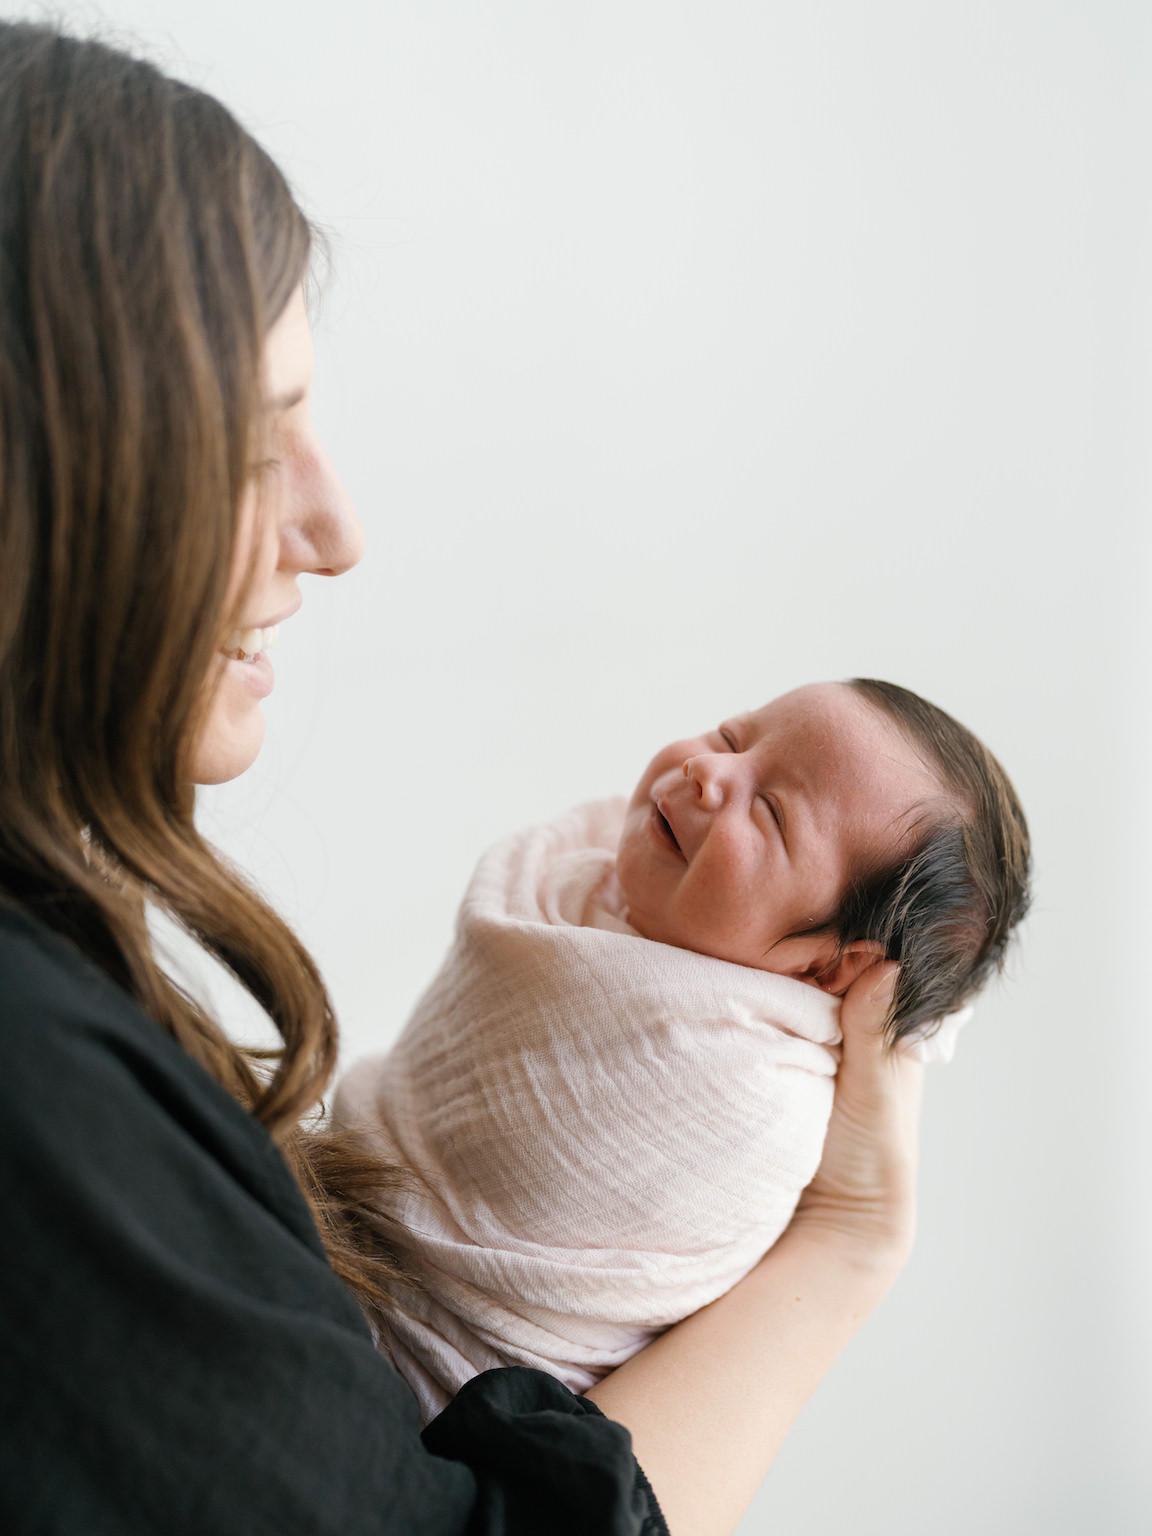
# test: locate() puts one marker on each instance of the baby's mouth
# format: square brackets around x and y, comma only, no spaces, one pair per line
[664,826]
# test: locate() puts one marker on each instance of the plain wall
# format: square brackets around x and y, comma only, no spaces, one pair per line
[676,354]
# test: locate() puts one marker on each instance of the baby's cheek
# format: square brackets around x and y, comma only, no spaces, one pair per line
[726,910]
[630,860]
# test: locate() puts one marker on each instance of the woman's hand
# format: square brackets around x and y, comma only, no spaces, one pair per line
[710,1402]
[863,1196]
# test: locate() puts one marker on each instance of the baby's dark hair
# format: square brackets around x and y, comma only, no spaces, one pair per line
[946,912]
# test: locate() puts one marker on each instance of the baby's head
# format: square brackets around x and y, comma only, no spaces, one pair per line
[840,824]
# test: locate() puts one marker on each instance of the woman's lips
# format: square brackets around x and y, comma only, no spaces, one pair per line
[256,675]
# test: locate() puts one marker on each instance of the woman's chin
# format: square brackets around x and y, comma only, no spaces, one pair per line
[228,748]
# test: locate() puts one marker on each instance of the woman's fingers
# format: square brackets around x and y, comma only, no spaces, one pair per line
[876,1080]
[864,1189]
[866,1002]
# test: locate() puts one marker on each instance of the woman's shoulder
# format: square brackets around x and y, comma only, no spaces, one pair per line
[53,993]
[57,1007]
[89,1080]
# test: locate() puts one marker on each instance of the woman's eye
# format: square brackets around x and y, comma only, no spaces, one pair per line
[728,739]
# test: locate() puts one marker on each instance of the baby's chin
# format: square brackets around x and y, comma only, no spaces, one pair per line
[629,878]
[649,917]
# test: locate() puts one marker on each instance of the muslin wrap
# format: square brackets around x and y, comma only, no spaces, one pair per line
[601,1133]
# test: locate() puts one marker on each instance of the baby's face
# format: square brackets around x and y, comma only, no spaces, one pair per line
[739,841]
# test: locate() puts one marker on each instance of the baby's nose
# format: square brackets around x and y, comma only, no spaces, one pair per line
[702,775]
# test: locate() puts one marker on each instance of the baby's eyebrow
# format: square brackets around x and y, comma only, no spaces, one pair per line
[736,721]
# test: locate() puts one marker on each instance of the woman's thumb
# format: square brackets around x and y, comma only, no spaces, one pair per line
[864,1011]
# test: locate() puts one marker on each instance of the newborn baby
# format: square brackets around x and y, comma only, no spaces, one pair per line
[609,1100]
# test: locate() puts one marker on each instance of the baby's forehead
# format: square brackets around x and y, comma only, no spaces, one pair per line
[825,703]
[831,731]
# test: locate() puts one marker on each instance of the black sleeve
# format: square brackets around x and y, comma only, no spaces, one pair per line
[177,1355]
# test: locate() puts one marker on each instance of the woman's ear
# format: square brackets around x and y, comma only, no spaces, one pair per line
[818,960]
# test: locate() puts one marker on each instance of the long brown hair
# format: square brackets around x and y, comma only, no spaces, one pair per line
[147,244]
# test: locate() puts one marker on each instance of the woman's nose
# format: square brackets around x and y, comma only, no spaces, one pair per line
[322,533]
[705,774]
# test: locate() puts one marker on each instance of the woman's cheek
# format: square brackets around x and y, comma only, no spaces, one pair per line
[232,736]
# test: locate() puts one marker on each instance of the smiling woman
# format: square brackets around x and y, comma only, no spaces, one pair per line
[294,517]
[162,490]
[151,320]
[185,1247]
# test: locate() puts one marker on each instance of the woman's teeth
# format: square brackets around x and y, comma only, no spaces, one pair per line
[246,644]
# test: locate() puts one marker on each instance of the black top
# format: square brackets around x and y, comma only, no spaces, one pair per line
[176,1354]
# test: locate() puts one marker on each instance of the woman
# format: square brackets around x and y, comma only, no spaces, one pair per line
[182,1342]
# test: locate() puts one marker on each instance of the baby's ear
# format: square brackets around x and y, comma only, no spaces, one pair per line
[853,961]
[818,960]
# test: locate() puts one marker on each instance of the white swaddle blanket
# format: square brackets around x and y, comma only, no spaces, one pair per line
[603,1133]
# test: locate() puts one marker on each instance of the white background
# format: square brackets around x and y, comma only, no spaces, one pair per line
[676,354]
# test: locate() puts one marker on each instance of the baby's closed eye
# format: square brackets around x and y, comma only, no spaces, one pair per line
[774,810]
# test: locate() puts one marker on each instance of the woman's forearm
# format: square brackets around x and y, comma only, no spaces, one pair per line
[709,1403]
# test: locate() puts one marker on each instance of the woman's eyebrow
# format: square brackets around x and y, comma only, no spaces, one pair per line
[284,402]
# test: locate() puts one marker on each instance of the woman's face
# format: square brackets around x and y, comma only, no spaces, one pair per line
[295,517]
